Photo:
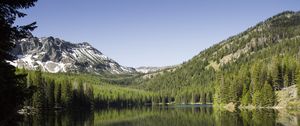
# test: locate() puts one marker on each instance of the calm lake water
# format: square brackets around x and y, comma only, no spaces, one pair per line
[183,115]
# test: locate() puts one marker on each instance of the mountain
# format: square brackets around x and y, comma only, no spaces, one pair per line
[245,69]
[144,69]
[148,69]
[56,55]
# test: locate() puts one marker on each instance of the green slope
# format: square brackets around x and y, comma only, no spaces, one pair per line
[241,67]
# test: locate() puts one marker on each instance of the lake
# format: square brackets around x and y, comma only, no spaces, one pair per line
[180,115]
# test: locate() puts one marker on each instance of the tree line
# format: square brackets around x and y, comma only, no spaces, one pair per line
[51,93]
[63,90]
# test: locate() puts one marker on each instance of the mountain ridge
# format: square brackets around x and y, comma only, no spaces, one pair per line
[56,55]
[241,69]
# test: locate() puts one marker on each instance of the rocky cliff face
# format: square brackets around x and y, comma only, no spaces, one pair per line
[56,55]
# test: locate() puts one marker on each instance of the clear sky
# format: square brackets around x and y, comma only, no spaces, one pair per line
[150,32]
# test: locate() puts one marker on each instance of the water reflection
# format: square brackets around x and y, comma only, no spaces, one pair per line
[164,116]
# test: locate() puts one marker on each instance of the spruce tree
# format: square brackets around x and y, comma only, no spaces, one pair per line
[203,98]
[257,98]
[90,95]
[246,99]
[275,73]
[268,95]
[255,78]
[286,80]
[68,94]
[58,96]
[39,97]
[278,71]
[50,94]
[81,100]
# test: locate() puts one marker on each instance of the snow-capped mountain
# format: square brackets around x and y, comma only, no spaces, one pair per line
[147,69]
[56,55]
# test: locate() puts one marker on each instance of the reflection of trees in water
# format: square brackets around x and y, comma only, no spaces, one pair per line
[298,119]
[264,117]
[259,117]
[51,118]
[159,116]
[226,118]
[288,118]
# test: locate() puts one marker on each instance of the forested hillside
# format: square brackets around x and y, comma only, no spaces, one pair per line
[85,91]
[244,69]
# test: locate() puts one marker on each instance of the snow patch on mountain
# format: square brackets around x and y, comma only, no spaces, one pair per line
[145,69]
[56,55]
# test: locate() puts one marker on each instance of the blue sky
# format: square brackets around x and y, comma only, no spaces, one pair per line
[150,32]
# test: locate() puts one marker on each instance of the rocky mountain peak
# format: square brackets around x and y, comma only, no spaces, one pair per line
[56,55]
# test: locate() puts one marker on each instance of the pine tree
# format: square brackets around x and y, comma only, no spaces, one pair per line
[270,80]
[217,88]
[246,99]
[268,95]
[278,71]
[39,97]
[13,92]
[58,96]
[255,78]
[90,95]
[80,94]
[275,73]
[286,80]
[68,94]
[257,98]
[223,90]
[209,98]
[263,75]
[50,94]
[234,90]
[203,98]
